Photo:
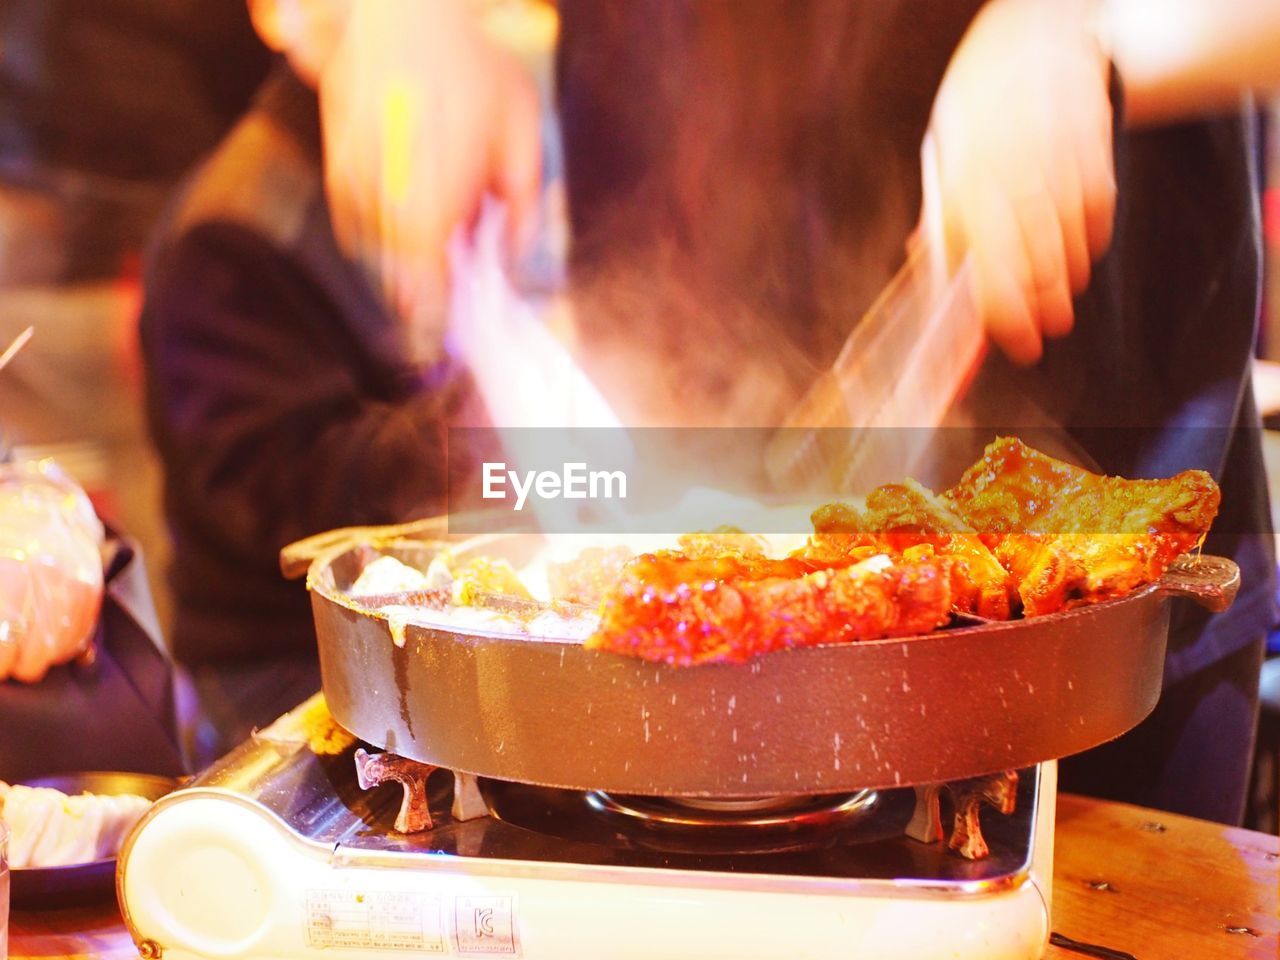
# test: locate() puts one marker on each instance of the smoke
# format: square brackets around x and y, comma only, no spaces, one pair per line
[742,180]
[741,185]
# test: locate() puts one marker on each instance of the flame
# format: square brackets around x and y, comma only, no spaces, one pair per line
[526,376]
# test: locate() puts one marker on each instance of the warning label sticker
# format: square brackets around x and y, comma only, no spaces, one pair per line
[375,920]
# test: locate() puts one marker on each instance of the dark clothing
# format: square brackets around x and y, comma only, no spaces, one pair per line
[1193,754]
[116,713]
[129,89]
[753,175]
[1156,377]
[236,697]
[104,104]
[277,391]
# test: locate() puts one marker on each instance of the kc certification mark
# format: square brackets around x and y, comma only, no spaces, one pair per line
[486,927]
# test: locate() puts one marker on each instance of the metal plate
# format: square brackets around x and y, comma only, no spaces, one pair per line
[940,707]
[80,883]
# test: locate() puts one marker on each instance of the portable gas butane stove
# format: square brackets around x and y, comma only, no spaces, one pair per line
[833,801]
[278,852]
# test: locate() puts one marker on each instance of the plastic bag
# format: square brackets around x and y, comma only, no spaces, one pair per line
[50,569]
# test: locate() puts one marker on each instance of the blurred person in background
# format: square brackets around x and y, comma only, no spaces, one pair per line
[285,394]
[103,106]
[285,400]
[1154,376]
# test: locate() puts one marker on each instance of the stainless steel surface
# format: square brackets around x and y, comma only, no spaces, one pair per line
[78,883]
[768,825]
[946,706]
[556,833]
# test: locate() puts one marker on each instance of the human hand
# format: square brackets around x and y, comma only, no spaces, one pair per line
[50,570]
[422,115]
[1021,137]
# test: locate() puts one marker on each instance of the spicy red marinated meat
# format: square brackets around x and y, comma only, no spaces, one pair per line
[684,611]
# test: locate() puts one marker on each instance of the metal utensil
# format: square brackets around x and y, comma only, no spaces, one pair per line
[11,351]
[868,418]
[19,342]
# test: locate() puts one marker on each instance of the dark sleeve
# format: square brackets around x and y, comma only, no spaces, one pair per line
[273,421]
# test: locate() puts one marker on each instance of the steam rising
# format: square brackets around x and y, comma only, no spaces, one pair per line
[742,181]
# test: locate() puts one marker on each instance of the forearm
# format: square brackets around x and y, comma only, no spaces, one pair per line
[1179,59]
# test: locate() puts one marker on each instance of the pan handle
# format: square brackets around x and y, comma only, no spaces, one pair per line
[296,558]
[1211,582]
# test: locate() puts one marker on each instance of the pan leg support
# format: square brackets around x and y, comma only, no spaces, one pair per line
[999,790]
[468,804]
[373,769]
[926,820]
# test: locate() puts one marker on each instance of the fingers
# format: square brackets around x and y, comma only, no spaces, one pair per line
[32,663]
[14,612]
[1022,272]
[45,617]
[348,194]
[517,162]
[9,645]
[1002,275]
[1095,160]
[419,117]
[981,221]
[1041,231]
[1022,123]
[1064,184]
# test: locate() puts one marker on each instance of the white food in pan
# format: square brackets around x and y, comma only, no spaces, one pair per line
[387,575]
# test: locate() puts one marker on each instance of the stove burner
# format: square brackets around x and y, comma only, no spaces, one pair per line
[700,825]
[708,825]
[741,805]
[763,813]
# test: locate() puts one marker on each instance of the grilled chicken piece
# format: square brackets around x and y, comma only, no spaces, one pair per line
[1070,537]
[1045,576]
[907,519]
[1060,571]
[588,577]
[684,611]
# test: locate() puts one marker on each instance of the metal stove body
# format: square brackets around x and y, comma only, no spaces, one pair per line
[276,852]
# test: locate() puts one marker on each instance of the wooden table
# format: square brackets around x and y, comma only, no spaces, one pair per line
[1151,884]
